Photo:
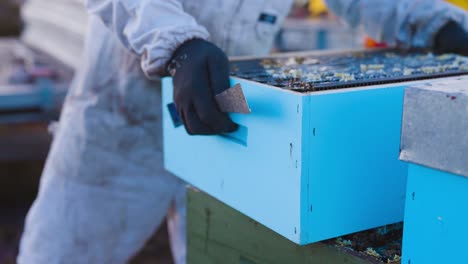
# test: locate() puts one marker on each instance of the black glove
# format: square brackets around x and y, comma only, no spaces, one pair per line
[451,38]
[200,71]
[10,19]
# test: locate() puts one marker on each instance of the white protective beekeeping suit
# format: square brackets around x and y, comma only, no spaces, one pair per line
[104,191]
[64,24]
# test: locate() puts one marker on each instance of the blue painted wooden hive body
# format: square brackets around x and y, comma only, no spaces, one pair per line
[435,143]
[310,165]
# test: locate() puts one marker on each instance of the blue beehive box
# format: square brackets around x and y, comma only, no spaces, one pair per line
[435,142]
[308,165]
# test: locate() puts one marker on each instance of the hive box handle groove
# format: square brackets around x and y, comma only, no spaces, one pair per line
[239,136]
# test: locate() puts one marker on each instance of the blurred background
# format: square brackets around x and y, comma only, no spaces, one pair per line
[40,45]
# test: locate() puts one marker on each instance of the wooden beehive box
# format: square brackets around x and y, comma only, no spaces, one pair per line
[310,165]
[217,233]
[435,143]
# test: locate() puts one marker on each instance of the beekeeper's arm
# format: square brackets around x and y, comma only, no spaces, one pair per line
[408,23]
[162,34]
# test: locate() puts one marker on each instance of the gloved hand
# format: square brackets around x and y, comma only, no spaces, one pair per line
[200,70]
[452,38]
[10,19]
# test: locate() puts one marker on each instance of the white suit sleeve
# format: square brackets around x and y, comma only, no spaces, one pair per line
[152,29]
[406,23]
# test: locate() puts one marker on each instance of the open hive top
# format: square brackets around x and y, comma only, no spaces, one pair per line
[355,69]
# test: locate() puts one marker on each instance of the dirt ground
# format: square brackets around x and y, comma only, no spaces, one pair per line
[18,186]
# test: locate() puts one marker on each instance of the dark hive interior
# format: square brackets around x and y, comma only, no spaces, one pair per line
[317,73]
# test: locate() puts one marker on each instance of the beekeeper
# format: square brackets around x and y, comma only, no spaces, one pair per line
[104,190]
